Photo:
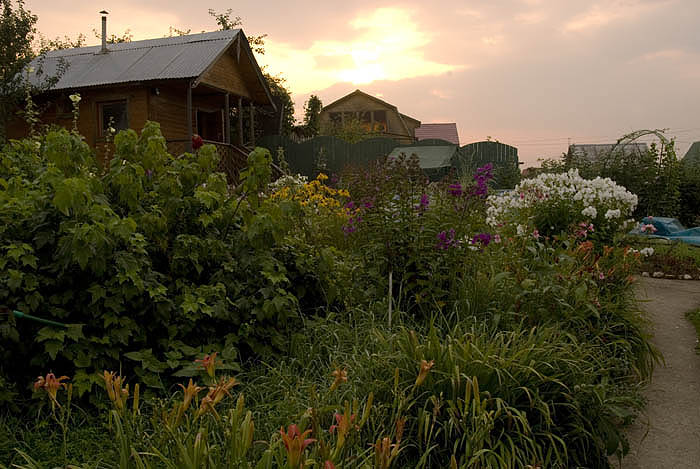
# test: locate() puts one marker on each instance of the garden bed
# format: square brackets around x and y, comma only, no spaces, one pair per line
[381,322]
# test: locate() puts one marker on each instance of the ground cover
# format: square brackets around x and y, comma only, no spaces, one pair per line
[672,258]
[366,320]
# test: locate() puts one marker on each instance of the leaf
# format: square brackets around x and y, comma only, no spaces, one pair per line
[52,347]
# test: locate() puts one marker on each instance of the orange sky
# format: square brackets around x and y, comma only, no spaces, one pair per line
[532,73]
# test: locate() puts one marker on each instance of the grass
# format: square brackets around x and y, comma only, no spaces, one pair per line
[694,318]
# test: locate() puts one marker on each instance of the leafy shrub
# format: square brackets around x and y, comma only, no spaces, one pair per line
[150,263]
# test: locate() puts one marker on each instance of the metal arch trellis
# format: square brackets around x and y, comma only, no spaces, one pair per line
[637,134]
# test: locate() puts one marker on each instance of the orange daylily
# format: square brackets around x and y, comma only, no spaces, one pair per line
[117,394]
[51,385]
[215,395]
[209,363]
[339,376]
[189,393]
[384,452]
[295,443]
[424,370]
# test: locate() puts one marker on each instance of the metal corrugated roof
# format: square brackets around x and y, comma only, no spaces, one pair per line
[152,59]
[447,132]
[430,157]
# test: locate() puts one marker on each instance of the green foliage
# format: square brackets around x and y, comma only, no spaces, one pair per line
[225,22]
[312,116]
[140,260]
[17,30]
[283,99]
[351,130]
[694,318]
[654,176]
[452,342]
[689,189]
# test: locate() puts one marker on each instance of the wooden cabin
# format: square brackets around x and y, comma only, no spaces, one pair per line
[374,114]
[193,84]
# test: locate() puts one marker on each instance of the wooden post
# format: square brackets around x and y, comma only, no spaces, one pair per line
[227,119]
[188,145]
[240,122]
[252,124]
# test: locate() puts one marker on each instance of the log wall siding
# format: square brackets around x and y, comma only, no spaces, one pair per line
[225,74]
[169,108]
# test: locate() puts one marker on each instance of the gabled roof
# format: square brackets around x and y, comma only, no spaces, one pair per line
[447,132]
[179,57]
[692,156]
[402,117]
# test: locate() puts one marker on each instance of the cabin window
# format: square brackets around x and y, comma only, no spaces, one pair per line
[336,119]
[365,118]
[113,114]
[380,121]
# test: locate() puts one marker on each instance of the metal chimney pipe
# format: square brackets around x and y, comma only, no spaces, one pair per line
[104,31]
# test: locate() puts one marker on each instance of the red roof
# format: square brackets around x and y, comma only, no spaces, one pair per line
[446,132]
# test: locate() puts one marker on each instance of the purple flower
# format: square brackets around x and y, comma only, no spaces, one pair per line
[351,226]
[350,206]
[367,204]
[424,202]
[482,238]
[446,239]
[455,189]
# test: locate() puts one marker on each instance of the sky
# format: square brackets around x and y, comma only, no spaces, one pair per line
[535,74]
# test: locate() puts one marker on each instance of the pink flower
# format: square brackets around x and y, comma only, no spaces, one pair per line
[536,234]
[496,238]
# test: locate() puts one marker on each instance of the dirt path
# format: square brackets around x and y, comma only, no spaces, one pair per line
[673,411]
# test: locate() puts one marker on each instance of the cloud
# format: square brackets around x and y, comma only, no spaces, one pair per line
[604,13]
[385,44]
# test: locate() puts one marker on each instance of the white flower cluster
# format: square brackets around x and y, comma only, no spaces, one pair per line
[589,212]
[589,197]
[612,214]
[293,182]
[646,252]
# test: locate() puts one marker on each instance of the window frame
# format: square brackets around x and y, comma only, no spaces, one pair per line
[100,114]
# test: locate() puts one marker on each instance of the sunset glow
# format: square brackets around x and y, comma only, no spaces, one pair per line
[534,73]
[388,45]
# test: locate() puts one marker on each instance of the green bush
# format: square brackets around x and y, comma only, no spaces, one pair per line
[150,263]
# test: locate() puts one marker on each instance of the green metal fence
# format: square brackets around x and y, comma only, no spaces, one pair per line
[335,154]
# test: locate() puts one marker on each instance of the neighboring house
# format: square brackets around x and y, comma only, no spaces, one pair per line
[447,132]
[692,156]
[190,84]
[373,113]
[594,152]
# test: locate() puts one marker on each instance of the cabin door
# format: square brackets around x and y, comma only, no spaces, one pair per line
[210,124]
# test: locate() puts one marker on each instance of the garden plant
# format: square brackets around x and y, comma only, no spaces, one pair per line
[367,320]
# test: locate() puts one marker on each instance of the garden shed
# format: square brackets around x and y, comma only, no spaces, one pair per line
[191,84]
[435,160]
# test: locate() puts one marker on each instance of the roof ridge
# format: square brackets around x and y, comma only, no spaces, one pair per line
[124,46]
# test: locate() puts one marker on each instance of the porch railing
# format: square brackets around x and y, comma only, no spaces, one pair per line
[233,158]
